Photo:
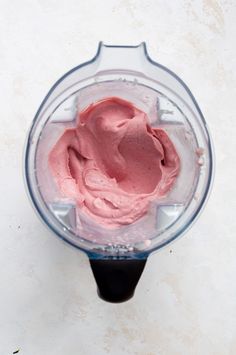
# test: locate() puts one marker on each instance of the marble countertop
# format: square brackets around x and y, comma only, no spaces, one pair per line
[185,302]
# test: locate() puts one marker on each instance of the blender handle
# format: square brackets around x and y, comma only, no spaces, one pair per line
[117,278]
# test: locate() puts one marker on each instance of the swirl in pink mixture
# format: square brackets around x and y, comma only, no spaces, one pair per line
[113,164]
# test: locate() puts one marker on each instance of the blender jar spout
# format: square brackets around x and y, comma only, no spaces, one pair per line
[129,58]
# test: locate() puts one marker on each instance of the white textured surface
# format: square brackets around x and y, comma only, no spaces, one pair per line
[186,300]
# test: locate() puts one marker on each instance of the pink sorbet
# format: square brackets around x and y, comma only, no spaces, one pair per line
[113,164]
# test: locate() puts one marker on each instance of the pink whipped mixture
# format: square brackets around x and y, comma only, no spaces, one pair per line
[113,164]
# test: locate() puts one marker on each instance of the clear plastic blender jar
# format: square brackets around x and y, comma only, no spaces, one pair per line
[118,256]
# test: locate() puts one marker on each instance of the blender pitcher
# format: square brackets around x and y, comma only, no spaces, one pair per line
[118,256]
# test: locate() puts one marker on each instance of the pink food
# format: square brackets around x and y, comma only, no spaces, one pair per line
[113,164]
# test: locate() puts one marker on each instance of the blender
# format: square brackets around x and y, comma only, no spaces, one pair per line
[118,256]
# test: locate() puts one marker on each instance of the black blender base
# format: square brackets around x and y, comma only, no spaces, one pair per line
[117,278]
